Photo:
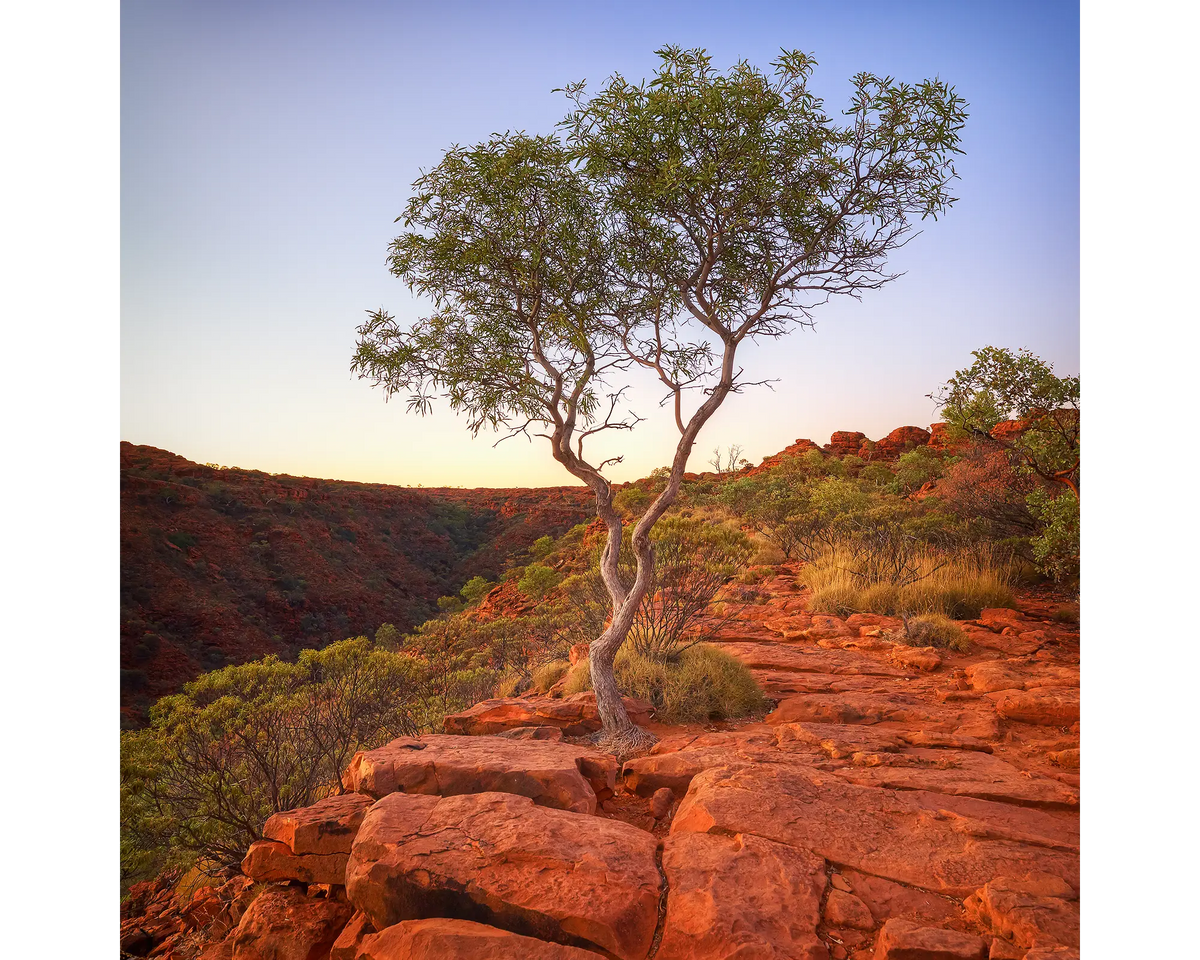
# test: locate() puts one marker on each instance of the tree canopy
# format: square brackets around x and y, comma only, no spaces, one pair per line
[1003,385]
[674,220]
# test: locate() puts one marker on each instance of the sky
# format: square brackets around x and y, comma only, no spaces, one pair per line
[267,148]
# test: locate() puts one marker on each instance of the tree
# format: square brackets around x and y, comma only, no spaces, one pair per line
[680,218]
[1005,386]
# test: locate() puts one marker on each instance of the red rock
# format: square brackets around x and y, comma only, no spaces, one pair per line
[845,443]
[839,882]
[1067,759]
[284,924]
[908,837]
[577,715]
[439,938]
[849,708]
[904,940]
[721,906]
[837,740]
[899,441]
[948,741]
[328,826]
[823,627]
[498,857]
[270,860]
[661,802]
[925,659]
[553,734]
[966,774]
[351,938]
[552,774]
[887,899]
[1003,950]
[673,763]
[1045,706]
[578,652]
[846,910]
[1052,953]
[1021,911]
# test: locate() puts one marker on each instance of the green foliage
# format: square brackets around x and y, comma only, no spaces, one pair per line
[703,683]
[877,474]
[182,540]
[241,743]
[1056,547]
[541,547]
[475,590]
[1003,385]
[450,604]
[537,581]
[916,468]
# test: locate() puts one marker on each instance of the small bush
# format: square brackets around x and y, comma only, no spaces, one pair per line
[1066,614]
[702,684]
[475,589]
[935,630]
[537,581]
[541,547]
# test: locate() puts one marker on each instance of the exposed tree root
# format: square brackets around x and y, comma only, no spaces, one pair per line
[626,744]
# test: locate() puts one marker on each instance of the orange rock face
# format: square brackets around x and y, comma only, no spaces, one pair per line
[284,924]
[902,940]
[720,906]
[440,939]
[552,774]
[500,859]
[576,715]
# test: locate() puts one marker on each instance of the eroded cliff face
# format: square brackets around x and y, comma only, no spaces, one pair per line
[896,803]
[224,566]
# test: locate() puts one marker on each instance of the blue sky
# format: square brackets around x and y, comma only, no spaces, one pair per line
[268,147]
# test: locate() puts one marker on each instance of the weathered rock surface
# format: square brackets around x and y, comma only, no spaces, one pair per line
[270,860]
[882,832]
[1032,911]
[284,924]
[327,826]
[552,774]
[904,940]
[445,939]
[499,859]
[740,896]
[576,715]
[1044,706]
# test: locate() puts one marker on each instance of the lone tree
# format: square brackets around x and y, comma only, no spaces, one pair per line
[673,221]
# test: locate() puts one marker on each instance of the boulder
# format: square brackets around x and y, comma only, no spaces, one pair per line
[1027,912]
[904,940]
[500,859]
[553,734]
[661,802]
[439,938]
[270,860]
[346,946]
[552,774]
[1044,706]
[576,715]
[925,659]
[327,826]
[721,904]
[284,924]
[846,910]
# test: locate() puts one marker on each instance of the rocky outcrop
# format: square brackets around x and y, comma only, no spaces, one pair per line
[283,923]
[442,939]
[499,859]
[552,774]
[575,715]
[900,441]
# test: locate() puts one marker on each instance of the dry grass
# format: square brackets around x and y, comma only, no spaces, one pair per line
[935,630]
[548,674]
[702,684]
[958,587]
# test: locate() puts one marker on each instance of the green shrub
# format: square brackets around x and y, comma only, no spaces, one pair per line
[182,540]
[1056,547]
[537,581]
[703,683]
[475,589]
[541,547]
[876,473]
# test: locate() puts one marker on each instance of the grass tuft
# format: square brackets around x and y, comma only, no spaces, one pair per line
[548,674]
[935,630]
[703,683]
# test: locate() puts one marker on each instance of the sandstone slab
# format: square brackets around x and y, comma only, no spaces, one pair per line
[552,774]
[1044,706]
[839,740]
[1021,911]
[886,833]
[269,860]
[445,939]
[576,715]
[904,940]
[284,924]
[327,826]
[500,859]
[740,896]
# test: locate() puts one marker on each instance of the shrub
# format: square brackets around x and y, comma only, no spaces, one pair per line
[703,683]
[537,581]
[475,589]
[541,547]
[876,473]
[935,630]
[1065,614]
[1056,547]
[244,742]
